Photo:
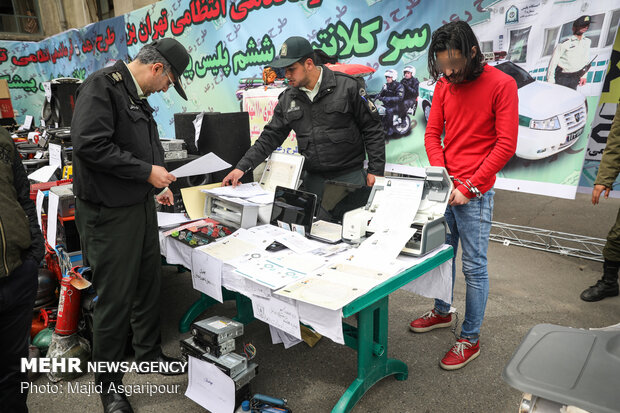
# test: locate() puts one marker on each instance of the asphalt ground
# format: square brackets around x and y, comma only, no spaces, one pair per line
[528,287]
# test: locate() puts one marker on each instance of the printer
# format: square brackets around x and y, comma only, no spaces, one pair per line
[429,222]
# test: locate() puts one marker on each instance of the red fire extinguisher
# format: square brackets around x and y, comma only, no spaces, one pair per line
[68,308]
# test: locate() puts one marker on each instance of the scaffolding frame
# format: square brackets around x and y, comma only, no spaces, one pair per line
[562,243]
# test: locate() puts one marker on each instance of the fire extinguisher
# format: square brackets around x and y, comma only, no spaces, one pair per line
[68,308]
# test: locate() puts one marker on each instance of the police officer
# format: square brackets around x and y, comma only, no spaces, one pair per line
[336,125]
[411,85]
[570,61]
[118,161]
[392,95]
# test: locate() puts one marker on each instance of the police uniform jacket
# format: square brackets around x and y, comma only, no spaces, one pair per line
[333,132]
[392,93]
[411,86]
[572,55]
[609,168]
[115,140]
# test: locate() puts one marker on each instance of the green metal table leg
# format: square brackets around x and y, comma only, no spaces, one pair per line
[194,311]
[245,314]
[370,341]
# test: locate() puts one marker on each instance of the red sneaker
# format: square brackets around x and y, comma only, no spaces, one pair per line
[430,321]
[460,354]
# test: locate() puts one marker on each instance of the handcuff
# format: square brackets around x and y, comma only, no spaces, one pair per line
[470,187]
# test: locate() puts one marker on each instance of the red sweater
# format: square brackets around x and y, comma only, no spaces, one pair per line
[481,123]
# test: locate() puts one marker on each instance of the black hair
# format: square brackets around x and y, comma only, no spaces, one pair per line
[310,56]
[321,58]
[456,36]
[578,26]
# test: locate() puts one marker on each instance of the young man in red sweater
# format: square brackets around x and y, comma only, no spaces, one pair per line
[477,106]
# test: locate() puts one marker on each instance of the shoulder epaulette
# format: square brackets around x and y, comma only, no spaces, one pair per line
[115,77]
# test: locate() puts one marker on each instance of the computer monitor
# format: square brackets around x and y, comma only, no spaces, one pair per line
[291,206]
[340,197]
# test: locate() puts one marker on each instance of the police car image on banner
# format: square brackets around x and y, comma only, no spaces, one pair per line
[544,129]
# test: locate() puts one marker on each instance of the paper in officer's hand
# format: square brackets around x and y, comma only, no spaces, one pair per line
[206,164]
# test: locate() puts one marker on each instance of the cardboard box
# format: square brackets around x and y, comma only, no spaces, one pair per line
[6,107]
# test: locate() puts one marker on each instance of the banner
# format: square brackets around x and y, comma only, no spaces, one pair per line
[233,40]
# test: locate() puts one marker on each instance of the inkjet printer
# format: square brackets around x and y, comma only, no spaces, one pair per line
[429,220]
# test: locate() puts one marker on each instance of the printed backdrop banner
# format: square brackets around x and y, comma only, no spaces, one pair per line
[233,40]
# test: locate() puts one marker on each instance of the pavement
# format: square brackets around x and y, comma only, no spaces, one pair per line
[527,287]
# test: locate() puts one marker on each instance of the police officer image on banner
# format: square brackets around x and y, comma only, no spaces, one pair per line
[570,61]
[335,122]
[393,97]
[412,87]
[118,164]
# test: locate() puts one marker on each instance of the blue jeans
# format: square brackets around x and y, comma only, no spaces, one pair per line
[471,223]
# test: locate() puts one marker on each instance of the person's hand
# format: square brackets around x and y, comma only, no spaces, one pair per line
[233,178]
[370,179]
[159,177]
[597,191]
[582,81]
[457,198]
[167,198]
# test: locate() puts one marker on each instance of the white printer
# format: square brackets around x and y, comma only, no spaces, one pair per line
[429,220]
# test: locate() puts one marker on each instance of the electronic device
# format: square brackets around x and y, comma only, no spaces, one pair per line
[282,170]
[429,220]
[216,330]
[291,206]
[192,346]
[66,199]
[237,213]
[231,363]
[337,199]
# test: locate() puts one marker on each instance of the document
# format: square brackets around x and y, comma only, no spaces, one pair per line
[55,155]
[194,199]
[207,274]
[210,387]
[321,292]
[43,174]
[401,200]
[204,165]
[277,313]
[278,336]
[259,267]
[260,239]
[382,246]
[167,219]
[39,206]
[297,242]
[197,127]
[52,218]
[229,248]
[240,191]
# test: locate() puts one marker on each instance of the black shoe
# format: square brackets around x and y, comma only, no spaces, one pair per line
[115,402]
[167,366]
[599,291]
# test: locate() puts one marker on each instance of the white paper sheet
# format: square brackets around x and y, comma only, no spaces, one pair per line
[207,274]
[262,199]
[167,219]
[204,165]
[323,321]
[321,292]
[261,239]
[401,200]
[278,336]
[52,218]
[382,247]
[43,174]
[229,248]
[245,191]
[39,206]
[210,387]
[277,313]
[55,155]
[259,267]
[197,127]
[297,242]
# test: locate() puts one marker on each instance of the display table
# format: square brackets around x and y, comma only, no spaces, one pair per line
[369,338]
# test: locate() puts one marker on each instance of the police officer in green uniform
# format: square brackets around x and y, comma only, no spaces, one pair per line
[608,171]
[335,123]
[570,61]
[118,161]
